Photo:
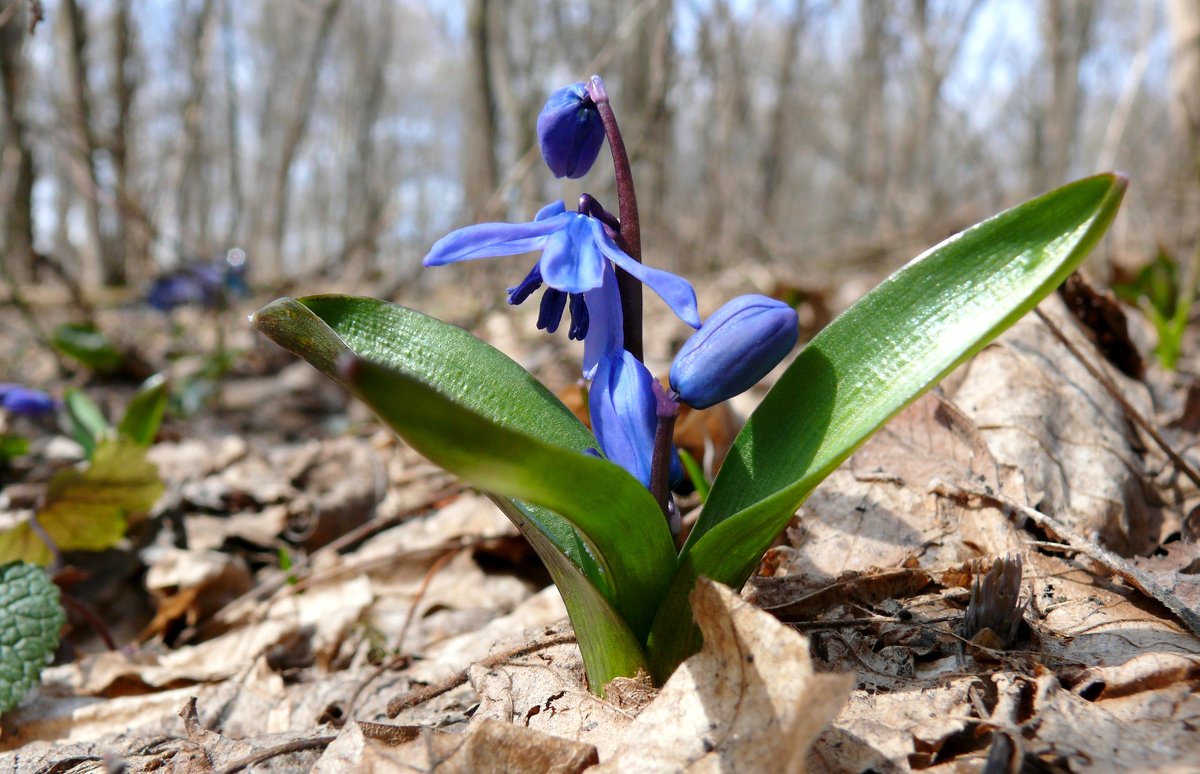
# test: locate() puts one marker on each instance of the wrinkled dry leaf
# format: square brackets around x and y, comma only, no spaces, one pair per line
[876,511]
[1151,730]
[547,691]
[748,701]
[1042,413]
[490,745]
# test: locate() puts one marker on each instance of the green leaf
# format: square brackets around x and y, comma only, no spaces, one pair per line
[867,365]
[695,473]
[145,412]
[487,390]
[87,345]
[88,510]
[87,421]
[30,620]
[321,329]
[608,646]
[11,447]
[613,513]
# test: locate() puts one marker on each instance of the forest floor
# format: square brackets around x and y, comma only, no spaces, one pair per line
[309,592]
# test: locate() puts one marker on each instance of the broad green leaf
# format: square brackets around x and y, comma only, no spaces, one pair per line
[88,510]
[615,514]
[87,421]
[145,412]
[30,620]
[87,345]
[609,649]
[866,366]
[321,329]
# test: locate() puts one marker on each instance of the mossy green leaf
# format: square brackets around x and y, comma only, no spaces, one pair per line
[30,621]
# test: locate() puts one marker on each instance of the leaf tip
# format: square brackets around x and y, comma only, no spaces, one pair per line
[262,319]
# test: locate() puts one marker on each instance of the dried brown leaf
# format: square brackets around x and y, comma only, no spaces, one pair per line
[748,701]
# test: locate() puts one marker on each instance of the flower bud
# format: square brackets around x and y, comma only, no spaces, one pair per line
[734,348]
[570,131]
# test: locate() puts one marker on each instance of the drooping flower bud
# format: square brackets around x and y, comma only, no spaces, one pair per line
[734,348]
[570,131]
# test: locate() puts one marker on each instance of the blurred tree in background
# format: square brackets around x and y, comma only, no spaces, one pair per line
[338,138]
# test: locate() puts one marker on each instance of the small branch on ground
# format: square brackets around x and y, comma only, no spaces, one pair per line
[1135,416]
[296,745]
[1135,577]
[421,695]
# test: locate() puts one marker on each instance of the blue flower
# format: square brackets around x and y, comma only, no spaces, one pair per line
[208,285]
[570,131]
[735,348]
[577,259]
[24,401]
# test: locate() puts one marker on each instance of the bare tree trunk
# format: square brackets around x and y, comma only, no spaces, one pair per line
[870,159]
[306,87]
[1183,17]
[16,160]
[938,44]
[187,190]
[94,270]
[481,172]
[1067,30]
[232,128]
[364,198]
[132,233]
[646,68]
[771,163]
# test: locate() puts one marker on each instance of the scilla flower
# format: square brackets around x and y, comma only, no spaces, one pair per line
[23,401]
[735,348]
[577,257]
[570,131]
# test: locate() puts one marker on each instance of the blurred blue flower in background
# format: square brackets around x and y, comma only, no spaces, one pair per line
[202,284]
[25,401]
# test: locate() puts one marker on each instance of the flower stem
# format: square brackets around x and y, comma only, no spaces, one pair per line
[667,410]
[630,236]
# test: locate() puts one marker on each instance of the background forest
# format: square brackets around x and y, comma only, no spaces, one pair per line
[342,137]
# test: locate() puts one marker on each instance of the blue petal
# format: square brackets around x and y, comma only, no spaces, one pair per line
[606,335]
[621,404]
[675,291]
[571,262]
[550,210]
[488,240]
